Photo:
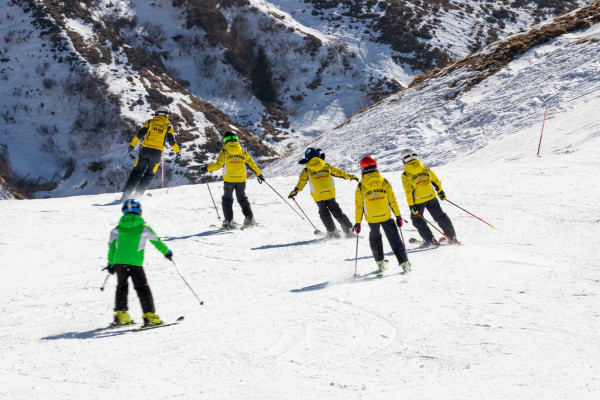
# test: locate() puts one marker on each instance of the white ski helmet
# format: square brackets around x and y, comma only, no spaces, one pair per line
[161,111]
[408,155]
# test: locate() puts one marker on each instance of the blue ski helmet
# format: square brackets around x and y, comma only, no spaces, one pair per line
[132,206]
[311,153]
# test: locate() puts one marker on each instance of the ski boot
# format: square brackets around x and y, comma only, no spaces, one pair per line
[151,319]
[249,221]
[432,242]
[333,234]
[122,318]
[381,266]
[405,267]
[228,224]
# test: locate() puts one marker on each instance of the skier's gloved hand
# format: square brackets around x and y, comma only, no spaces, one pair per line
[202,169]
[356,228]
[260,179]
[169,255]
[442,195]
[399,221]
[354,178]
[414,210]
[131,148]
[293,193]
[109,268]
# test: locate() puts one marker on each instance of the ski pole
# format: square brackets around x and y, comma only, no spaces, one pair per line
[104,284]
[471,214]
[123,159]
[284,200]
[211,197]
[313,225]
[172,172]
[434,227]
[186,282]
[356,258]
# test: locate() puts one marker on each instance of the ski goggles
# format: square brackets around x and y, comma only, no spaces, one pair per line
[230,137]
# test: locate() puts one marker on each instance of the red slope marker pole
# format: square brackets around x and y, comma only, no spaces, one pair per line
[541,134]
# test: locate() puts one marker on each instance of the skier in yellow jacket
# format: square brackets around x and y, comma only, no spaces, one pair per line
[374,198]
[233,159]
[322,188]
[154,134]
[422,185]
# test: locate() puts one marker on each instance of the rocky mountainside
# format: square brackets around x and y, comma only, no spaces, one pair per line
[78,77]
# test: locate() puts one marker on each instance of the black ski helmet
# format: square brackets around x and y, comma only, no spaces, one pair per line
[230,136]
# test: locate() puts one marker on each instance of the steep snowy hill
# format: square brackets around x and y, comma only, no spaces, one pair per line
[463,107]
[510,314]
[73,93]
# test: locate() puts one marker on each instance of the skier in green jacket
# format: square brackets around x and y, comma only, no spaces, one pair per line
[126,257]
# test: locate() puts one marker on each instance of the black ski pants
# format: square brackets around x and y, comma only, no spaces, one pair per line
[439,216]
[240,194]
[140,283]
[393,236]
[143,171]
[330,207]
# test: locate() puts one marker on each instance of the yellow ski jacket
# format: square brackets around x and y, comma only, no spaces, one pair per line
[374,198]
[233,159]
[419,182]
[319,174]
[154,134]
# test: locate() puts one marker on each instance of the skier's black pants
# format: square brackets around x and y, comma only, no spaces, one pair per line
[330,207]
[391,232]
[439,216]
[145,166]
[240,195]
[124,271]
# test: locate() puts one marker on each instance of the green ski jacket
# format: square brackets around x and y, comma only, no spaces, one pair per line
[128,240]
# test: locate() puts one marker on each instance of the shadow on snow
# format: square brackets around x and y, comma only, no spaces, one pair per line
[300,243]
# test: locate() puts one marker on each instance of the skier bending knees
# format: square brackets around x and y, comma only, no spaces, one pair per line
[233,159]
[126,257]
[322,189]
[374,198]
[420,185]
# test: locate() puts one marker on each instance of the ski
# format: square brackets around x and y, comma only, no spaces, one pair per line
[145,328]
[225,228]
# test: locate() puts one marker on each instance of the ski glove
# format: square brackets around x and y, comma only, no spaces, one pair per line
[356,228]
[354,178]
[414,210]
[110,269]
[169,255]
[260,179]
[442,195]
[202,169]
[399,221]
[293,193]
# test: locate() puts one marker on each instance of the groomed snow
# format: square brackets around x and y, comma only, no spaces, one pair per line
[511,314]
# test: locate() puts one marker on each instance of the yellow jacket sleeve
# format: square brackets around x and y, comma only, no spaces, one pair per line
[250,162]
[302,180]
[392,200]
[408,189]
[140,134]
[340,173]
[358,200]
[217,164]
[437,184]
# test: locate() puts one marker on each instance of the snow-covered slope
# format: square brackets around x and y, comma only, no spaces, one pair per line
[512,313]
[442,121]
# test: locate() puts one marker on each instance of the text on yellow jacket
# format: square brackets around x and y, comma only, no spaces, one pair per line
[233,159]
[420,183]
[374,198]
[319,175]
[154,134]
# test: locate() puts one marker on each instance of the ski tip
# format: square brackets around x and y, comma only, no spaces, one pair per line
[180,318]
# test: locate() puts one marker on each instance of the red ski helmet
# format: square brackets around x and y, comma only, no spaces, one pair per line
[368,163]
